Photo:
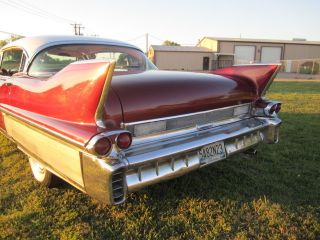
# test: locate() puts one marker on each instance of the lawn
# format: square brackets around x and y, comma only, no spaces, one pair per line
[275,195]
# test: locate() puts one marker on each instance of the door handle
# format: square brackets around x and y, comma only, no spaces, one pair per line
[8,84]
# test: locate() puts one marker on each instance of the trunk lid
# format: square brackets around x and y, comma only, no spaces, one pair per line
[157,94]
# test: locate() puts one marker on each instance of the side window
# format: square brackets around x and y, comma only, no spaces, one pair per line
[12,62]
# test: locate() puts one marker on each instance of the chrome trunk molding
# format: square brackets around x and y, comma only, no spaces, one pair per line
[201,119]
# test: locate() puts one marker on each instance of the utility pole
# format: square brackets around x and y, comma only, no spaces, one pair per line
[77,28]
[147,42]
[74,27]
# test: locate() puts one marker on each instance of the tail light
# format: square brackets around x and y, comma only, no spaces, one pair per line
[103,146]
[266,108]
[124,140]
[271,108]
[103,143]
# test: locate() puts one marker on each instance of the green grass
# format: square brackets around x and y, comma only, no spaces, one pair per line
[295,87]
[275,195]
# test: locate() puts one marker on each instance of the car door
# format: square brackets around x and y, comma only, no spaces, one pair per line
[3,94]
[12,62]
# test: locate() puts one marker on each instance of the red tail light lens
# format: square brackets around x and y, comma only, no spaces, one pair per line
[266,108]
[278,108]
[103,146]
[272,109]
[275,108]
[124,140]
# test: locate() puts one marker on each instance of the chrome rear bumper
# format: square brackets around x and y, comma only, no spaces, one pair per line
[149,162]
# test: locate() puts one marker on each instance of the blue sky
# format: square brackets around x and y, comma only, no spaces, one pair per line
[183,21]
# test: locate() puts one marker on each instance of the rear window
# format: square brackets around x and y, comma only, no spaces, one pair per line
[52,60]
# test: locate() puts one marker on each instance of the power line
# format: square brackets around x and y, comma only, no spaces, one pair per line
[21,9]
[159,39]
[33,7]
[10,33]
[35,11]
[138,37]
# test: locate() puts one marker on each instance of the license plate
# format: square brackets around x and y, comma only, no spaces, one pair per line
[212,152]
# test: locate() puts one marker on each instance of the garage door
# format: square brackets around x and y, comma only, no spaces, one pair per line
[244,54]
[270,54]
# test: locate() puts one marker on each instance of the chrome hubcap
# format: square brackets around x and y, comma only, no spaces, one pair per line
[38,169]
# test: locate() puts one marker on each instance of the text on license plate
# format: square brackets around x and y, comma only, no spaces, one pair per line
[212,152]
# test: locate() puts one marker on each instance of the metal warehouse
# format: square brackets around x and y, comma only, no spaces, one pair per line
[212,53]
[180,57]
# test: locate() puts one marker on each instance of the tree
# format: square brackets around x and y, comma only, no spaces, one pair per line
[10,39]
[170,43]
[2,43]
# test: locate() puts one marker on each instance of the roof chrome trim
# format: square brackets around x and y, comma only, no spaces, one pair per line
[34,45]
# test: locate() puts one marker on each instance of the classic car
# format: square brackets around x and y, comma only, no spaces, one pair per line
[99,115]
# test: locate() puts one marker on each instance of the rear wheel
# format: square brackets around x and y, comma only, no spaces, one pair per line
[42,175]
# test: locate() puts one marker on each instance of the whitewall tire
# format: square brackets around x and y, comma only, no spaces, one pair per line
[42,175]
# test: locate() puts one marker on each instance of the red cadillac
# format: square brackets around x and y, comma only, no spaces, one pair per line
[99,115]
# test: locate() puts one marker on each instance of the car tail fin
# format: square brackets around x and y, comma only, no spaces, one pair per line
[81,91]
[261,75]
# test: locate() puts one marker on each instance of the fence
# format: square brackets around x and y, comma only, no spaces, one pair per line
[301,66]
[217,64]
[304,68]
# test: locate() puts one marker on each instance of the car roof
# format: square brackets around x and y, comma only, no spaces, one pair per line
[33,45]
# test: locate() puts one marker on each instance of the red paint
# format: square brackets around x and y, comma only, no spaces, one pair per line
[75,131]
[71,95]
[156,94]
[2,125]
[112,111]
[4,98]
[259,75]
[65,103]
